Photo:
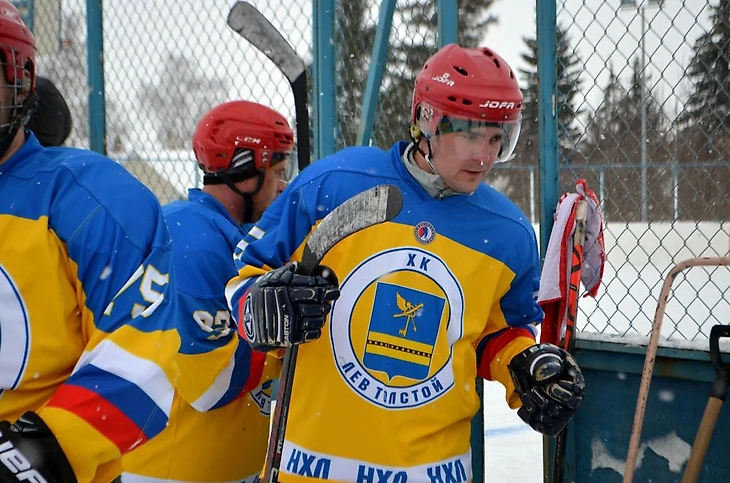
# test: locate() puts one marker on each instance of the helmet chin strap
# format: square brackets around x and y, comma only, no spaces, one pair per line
[416,136]
[221,177]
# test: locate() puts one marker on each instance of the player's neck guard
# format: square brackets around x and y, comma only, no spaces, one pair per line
[432,183]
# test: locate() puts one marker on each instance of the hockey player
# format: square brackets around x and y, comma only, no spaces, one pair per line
[439,295]
[242,148]
[51,119]
[86,344]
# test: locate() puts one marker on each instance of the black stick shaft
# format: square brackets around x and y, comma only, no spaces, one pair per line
[299,88]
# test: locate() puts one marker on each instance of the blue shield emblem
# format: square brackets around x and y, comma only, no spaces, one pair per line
[404,325]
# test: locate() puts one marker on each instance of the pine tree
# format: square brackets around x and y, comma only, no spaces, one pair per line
[354,46]
[613,136]
[513,182]
[413,40]
[705,122]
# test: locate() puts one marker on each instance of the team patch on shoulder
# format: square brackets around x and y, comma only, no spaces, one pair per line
[424,232]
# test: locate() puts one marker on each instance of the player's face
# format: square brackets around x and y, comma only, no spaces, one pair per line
[275,180]
[463,159]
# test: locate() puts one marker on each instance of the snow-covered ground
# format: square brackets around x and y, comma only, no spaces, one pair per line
[512,450]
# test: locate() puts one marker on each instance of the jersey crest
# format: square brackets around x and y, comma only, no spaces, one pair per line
[397,318]
[14,333]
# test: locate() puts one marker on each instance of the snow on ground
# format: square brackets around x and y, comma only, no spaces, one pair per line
[512,450]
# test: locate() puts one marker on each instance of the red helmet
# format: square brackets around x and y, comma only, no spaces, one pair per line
[464,88]
[242,137]
[17,48]
[468,82]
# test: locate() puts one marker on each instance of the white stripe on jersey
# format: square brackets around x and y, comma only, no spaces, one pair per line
[296,460]
[219,387]
[143,373]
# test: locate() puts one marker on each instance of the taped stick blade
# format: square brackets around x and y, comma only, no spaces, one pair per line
[250,24]
[371,207]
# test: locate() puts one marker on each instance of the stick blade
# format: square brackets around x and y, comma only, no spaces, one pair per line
[377,205]
[250,24]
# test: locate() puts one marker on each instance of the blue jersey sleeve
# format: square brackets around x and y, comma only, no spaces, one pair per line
[215,366]
[119,256]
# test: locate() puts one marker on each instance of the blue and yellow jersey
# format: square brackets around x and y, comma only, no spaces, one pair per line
[443,292]
[86,335]
[218,374]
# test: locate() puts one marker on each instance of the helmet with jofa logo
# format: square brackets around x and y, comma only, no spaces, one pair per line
[468,82]
[465,88]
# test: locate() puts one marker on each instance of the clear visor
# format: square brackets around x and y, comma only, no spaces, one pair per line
[284,160]
[490,142]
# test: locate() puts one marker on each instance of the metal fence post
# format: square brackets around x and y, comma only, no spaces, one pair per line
[548,148]
[325,78]
[95,59]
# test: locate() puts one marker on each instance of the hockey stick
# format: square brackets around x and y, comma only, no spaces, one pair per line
[376,205]
[714,404]
[568,342]
[250,24]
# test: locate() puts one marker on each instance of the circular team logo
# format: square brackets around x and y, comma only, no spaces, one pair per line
[399,314]
[14,333]
[424,232]
[248,327]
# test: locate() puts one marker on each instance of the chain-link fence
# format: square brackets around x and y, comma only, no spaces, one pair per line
[643,104]
[648,127]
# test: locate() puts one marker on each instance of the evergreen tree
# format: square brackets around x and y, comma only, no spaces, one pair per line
[355,37]
[515,182]
[613,137]
[413,40]
[704,125]
[705,122]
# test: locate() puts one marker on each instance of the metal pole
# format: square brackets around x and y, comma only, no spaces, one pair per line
[448,22]
[548,125]
[642,90]
[675,191]
[602,189]
[548,118]
[95,60]
[375,73]
[325,78]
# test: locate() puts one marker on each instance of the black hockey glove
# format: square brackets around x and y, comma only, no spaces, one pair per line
[284,308]
[550,385]
[30,452]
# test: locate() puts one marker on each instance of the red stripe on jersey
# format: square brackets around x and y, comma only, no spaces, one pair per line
[495,345]
[255,372]
[99,413]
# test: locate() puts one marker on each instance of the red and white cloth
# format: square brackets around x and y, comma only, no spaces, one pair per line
[555,277]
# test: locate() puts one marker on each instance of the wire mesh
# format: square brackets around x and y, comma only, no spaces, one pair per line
[642,102]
